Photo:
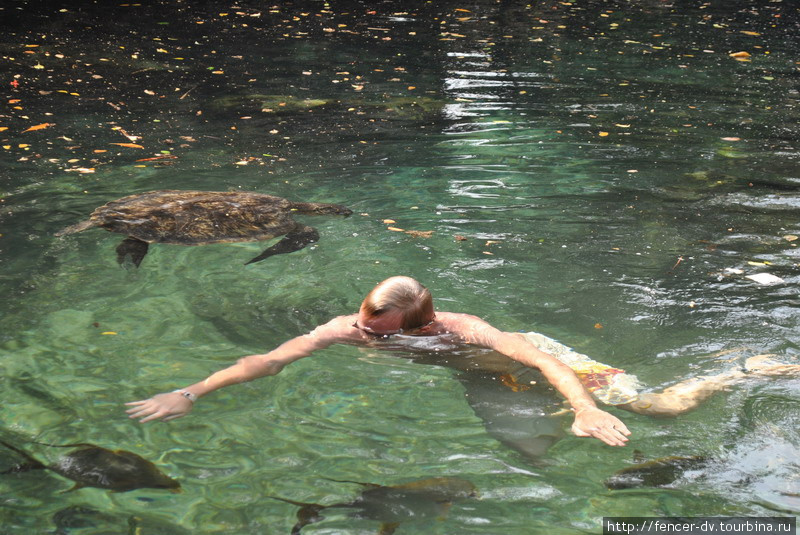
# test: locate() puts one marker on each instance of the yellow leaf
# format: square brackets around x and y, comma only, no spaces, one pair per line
[389,221]
[395,229]
[755,34]
[603,134]
[108,332]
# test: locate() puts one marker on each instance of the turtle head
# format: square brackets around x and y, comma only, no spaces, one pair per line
[319,208]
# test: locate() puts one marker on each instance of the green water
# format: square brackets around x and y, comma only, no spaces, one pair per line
[588,170]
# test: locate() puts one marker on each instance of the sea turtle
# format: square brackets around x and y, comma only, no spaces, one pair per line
[94,466]
[202,217]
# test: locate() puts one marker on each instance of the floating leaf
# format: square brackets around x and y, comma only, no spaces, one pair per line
[129,145]
[765,279]
[39,127]
[420,233]
[165,156]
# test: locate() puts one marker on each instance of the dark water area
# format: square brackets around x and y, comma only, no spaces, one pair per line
[610,174]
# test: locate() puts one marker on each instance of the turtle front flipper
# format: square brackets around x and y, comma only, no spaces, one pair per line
[132,247]
[293,241]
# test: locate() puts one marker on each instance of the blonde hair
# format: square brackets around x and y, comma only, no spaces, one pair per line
[403,296]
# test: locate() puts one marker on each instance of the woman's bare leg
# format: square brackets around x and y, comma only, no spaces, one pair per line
[688,394]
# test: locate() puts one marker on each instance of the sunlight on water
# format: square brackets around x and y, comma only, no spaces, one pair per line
[597,174]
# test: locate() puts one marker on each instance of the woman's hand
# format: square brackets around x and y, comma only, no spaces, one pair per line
[597,423]
[166,407]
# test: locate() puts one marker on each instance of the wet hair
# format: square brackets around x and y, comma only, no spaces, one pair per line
[403,296]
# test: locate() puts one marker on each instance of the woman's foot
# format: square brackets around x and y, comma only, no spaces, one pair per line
[768,366]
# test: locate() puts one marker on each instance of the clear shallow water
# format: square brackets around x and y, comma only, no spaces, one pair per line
[501,141]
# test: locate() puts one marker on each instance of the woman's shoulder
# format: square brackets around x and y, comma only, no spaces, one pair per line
[459,322]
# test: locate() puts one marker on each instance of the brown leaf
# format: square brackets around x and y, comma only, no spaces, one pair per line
[420,233]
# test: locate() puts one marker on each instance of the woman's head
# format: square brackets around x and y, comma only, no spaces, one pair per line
[395,305]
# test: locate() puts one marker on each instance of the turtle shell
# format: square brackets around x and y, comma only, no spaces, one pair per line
[197,217]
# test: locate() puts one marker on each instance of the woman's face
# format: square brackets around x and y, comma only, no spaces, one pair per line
[383,325]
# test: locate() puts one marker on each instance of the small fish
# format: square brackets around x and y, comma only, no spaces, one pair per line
[30,385]
[75,519]
[93,466]
[655,473]
[394,504]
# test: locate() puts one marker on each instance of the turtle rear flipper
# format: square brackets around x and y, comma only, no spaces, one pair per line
[78,227]
[133,248]
[294,241]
